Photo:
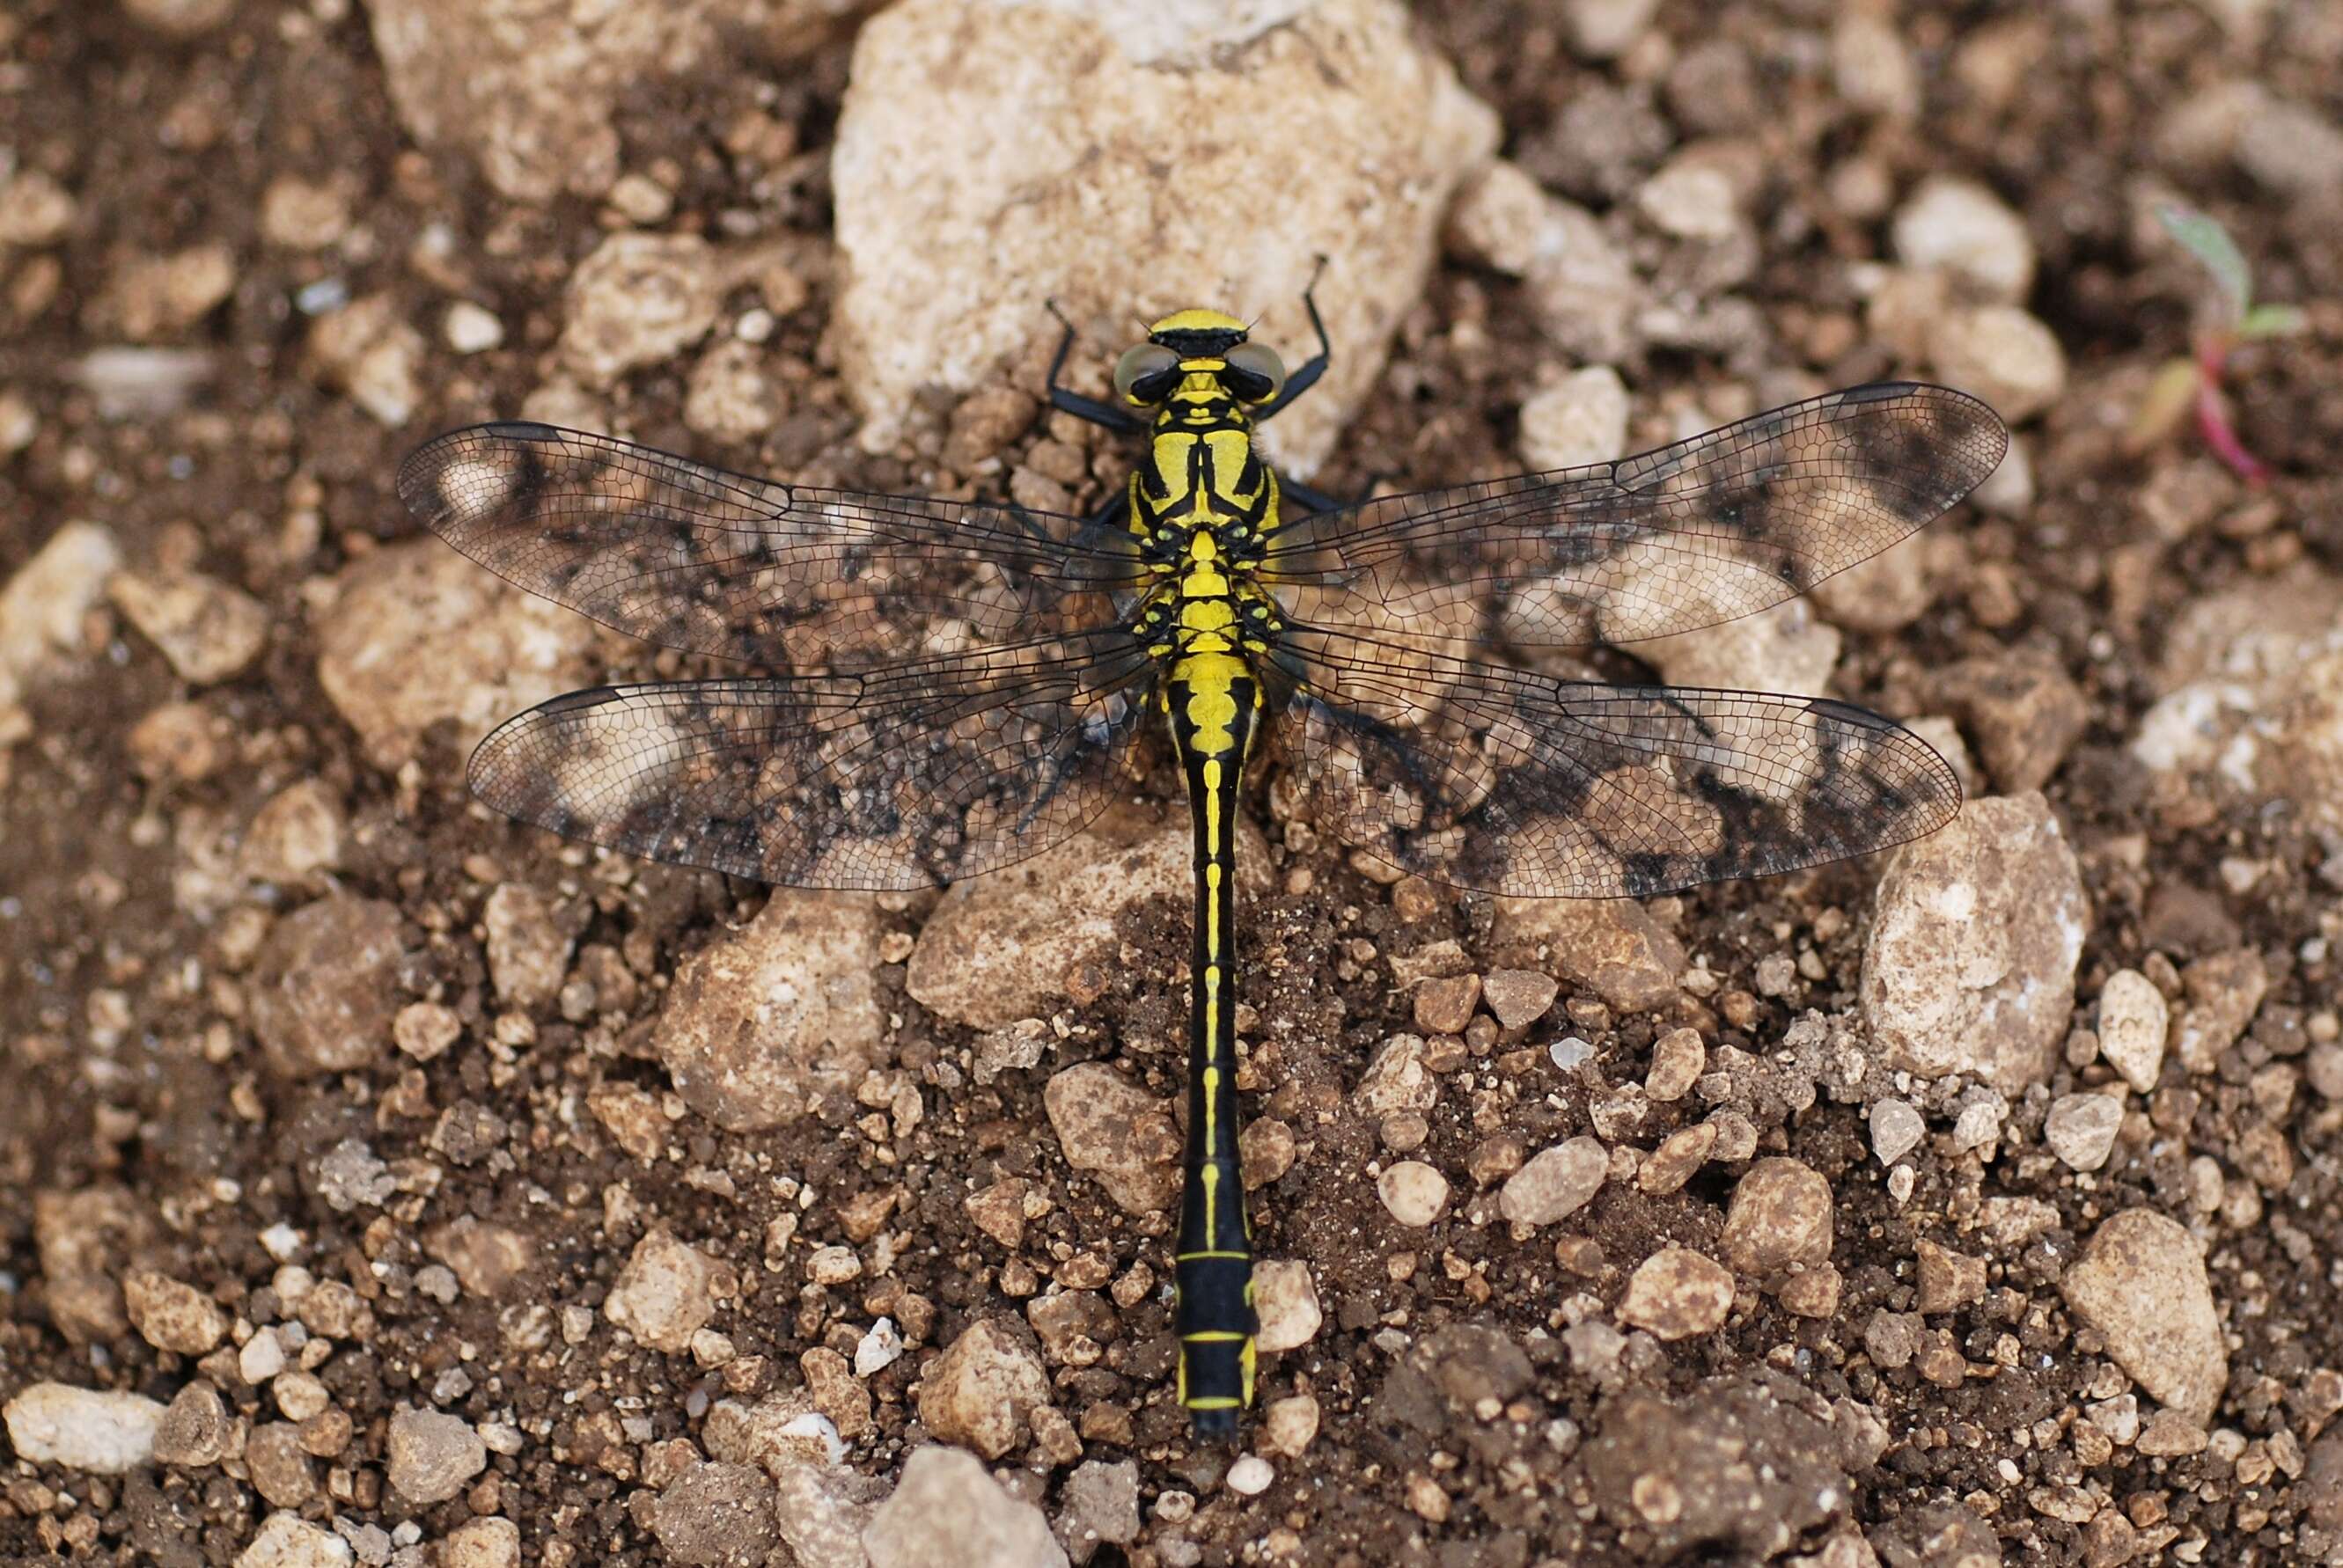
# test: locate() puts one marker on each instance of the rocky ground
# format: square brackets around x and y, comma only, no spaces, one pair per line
[385,1183]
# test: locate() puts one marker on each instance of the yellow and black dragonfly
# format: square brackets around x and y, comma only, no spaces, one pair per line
[947,688]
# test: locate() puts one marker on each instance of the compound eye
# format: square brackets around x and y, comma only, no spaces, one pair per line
[1255,372]
[1138,374]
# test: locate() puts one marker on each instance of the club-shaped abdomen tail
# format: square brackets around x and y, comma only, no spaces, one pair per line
[1216,1325]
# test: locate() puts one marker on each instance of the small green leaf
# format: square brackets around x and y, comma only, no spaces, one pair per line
[2204,237]
[2272,321]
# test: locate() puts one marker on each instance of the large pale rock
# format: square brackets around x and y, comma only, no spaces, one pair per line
[2141,1283]
[948,1512]
[527,90]
[995,154]
[667,1291]
[999,947]
[982,1392]
[760,1023]
[420,634]
[1118,1132]
[1971,963]
[82,1427]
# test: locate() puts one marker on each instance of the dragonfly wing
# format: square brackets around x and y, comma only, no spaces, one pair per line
[1506,781]
[1704,531]
[923,773]
[691,557]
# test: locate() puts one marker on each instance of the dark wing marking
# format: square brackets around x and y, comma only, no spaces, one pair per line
[691,557]
[1704,531]
[1507,781]
[918,775]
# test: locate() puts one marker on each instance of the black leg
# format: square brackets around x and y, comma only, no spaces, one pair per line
[1315,500]
[1306,377]
[1081,408]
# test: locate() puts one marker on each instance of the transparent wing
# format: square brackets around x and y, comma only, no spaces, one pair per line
[1704,531]
[691,557]
[1506,781]
[926,772]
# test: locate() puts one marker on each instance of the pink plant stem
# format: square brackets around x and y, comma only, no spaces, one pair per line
[2213,413]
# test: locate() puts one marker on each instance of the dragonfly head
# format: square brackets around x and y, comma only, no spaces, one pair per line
[1189,343]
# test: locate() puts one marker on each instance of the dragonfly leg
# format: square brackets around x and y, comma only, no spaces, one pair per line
[1071,402]
[1315,500]
[1306,375]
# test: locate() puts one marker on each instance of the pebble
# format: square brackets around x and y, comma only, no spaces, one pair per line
[2133,1025]
[196,1430]
[1101,1507]
[1286,1299]
[2002,355]
[207,630]
[1444,1006]
[878,1349]
[667,1291]
[1413,1192]
[1872,68]
[171,1316]
[638,299]
[1250,1475]
[490,1260]
[937,270]
[1120,1134]
[1569,1052]
[1556,1183]
[261,1357]
[2023,710]
[1611,947]
[1896,1129]
[470,329]
[983,1391]
[2224,991]
[289,1540]
[2081,1128]
[35,211]
[326,988]
[280,1470]
[1948,1279]
[1290,1425]
[417,634]
[1676,1294]
[716,1515]
[96,1430]
[44,605]
[1692,197]
[1781,1217]
[369,350]
[1581,418]
[488,1542]
[1970,967]
[296,835]
[731,398]
[1398,1078]
[947,1512]
[433,1455]
[1678,1060]
[1519,997]
[1960,226]
[1607,29]
[529,950]
[2140,1282]
[1680,1154]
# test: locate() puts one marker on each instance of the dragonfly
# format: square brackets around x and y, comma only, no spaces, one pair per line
[930,689]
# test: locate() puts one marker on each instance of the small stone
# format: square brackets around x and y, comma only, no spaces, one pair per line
[1872,68]
[1948,1279]
[35,211]
[1961,226]
[300,1395]
[289,1540]
[1678,1059]
[279,1466]
[1413,1192]
[2140,1282]
[196,1429]
[1811,1292]
[529,949]
[732,397]
[261,1357]
[1286,1300]
[327,985]
[482,1544]
[433,1455]
[1676,1294]
[1445,1006]
[1290,1425]
[470,329]
[1971,963]
[207,629]
[2081,1128]
[638,300]
[999,1211]
[1101,1507]
[1266,1150]
[1118,1132]
[171,1316]
[490,1260]
[2001,354]
[1692,197]
[1570,1052]
[948,1511]
[1581,418]
[1679,1155]
[95,1430]
[2171,1435]
[878,1349]
[716,1515]
[1781,1217]
[2133,1021]
[983,1391]
[1250,1476]
[1607,29]
[1611,947]
[2225,990]
[1397,1079]
[761,1023]
[1556,1183]
[1896,1129]
[1519,997]
[2023,710]
[368,350]
[295,837]
[667,1291]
